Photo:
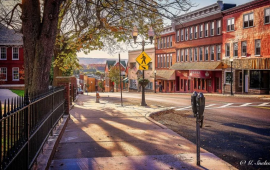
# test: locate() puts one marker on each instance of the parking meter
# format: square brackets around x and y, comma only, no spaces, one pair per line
[200,105]
[193,103]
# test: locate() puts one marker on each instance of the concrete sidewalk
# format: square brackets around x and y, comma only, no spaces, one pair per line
[108,136]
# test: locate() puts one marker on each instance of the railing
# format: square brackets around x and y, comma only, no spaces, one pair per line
[26,123]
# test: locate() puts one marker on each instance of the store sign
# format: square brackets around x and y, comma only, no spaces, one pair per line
[200,74]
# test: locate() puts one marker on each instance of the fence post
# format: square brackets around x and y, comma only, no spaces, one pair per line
[65,81]
[27,125]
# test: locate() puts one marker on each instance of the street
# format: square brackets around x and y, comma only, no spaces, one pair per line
[236,129]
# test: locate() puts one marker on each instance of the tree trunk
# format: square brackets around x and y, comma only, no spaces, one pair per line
[39,35]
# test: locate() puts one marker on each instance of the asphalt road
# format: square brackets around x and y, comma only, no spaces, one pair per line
[236,129]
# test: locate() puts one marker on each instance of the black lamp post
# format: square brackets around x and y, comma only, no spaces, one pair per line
[91,87]
[155,80]
[151,36]
[231,60]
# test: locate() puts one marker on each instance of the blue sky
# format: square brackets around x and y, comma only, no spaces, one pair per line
[200,4]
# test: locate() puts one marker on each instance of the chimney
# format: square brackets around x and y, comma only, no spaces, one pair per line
[220,3]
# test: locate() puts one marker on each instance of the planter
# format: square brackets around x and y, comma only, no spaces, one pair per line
[143,82]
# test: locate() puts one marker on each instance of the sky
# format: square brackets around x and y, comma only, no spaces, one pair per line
[124,55]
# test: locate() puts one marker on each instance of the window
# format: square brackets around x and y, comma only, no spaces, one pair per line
[212,53]
[201,52]
[190,54]
[248,20]
[202,84]
[244,48]
[240,79]
[158,45]
[170,59]
[235,49]
[195,54]
[195,83]
[158,61]
[206,30]
[177,36]
[186,55]
[258,47]
[228,77]
[3,73]
[206,53]
[3,53]
[150,66]
[212,28]
[170,41]
[255,79]
[218,52]
[227,50]
[182,55]
[164,42]
[190,33]
[267,16]
[164,60]
[199,83]
[230,24]
[178,55]
[161,39]
[186,35]
[15,74]
[201,30]
[218,27]
[182,34]
[196,32]
[149,86]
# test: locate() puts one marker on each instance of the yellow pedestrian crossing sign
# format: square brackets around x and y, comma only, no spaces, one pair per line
[143,59]
[143,67]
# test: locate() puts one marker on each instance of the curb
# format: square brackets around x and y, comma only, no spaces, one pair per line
[148,117]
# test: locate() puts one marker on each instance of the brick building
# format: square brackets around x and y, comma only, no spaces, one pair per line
[165,58]
[246,40]
[11,59]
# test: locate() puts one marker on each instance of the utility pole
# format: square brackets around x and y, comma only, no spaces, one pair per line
[120,80]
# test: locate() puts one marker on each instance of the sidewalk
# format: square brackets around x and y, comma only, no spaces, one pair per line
[108,136]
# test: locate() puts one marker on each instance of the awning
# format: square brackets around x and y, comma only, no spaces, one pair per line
[213,65]
[164,75]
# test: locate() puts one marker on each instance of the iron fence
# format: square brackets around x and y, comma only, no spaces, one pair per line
[25,124]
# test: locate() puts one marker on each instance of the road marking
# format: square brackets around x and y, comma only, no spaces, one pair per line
[184,108]
[211,105]
[262,107]
[246,104]
[225,105]
[263,104]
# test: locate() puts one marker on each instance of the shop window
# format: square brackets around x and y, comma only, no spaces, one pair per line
[212,28]
[188,85]
[182,84]
[255,79]
[230,24]
[240,79]
[186,34]
[244,49]
[190,54]
[218,52]
[199,83]
[191,33]
[3,53]
[202,84]
[227,47]
[195,83]
[258,47]
[218,27]
[267,16]
[212,53]
[235,49]
[248,20]
[206,53]
[206,30]
[228,77]
[196,32]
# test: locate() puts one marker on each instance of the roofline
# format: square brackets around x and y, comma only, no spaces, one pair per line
[141,49]
[243,5]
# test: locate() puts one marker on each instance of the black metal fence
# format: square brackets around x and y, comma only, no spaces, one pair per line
[25,124]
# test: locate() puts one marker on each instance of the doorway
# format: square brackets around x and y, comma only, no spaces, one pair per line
[209,86]
[185,85]
[217,84]
[177,83]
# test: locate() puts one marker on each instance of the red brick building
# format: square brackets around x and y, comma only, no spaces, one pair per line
[11,59]
[246,40]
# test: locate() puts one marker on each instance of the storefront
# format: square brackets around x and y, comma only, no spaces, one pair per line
[165,81]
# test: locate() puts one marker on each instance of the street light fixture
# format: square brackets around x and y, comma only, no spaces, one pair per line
[151,36]
[231,60]
[155,80]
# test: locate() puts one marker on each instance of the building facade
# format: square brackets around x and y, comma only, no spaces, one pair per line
[11,59]
[134,73]
[246,41]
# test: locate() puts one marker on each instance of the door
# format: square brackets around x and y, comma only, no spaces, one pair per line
[177,83]
[209,86]
[246,83]
[217,84]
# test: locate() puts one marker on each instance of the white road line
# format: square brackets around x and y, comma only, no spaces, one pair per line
[263,104]
[225,105]
[246,104]
[184,108]
[211,105]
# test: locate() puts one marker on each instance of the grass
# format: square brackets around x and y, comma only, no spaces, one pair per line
[18,92]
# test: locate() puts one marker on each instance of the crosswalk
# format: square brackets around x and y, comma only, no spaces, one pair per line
[225,105]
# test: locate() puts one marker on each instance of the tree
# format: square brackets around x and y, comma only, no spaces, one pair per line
[61,28]
[114,75]
[101,85]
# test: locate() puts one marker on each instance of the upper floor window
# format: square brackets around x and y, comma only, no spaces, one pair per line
[182,55]
[201,53]
[212,28]
[186,54]
[257,47]
[244,48]
[3,73]
[248,20]
[212,53]
[160,41]
[267,16]
[3,53]
[206,30]
[230,24]
[170,41]
[186,34]
[15,74]
[196,32]
[190,54]
[164,42]
[218,27]
[158,45]
[235,49]
[227,50]
[182,34]
[190,33]
[158,61]
[170,59]
[195,54]
[206,53]
[177,35]
[178,55]
[164,60]
[218,52]
[201,30]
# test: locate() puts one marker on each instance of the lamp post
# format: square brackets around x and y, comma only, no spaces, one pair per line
[231,60]
[151,36]
[91,87]
[155,80]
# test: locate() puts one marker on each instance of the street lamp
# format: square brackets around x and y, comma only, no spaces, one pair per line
[151,36]
[231,60]
[155,80]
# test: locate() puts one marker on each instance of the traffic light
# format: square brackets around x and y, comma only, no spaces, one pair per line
[200,100]
[193,103]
